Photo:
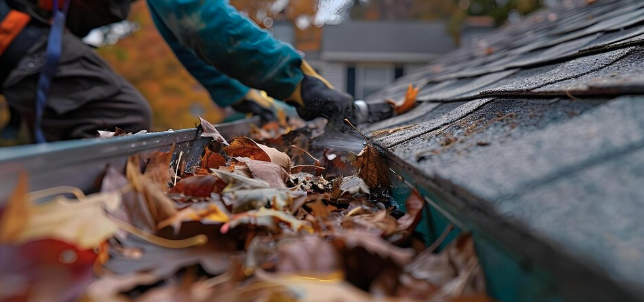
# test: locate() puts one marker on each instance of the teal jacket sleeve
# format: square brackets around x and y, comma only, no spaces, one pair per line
[223,90]
[234,45]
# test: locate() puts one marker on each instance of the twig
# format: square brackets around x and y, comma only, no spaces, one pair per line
[40,194]
[441,238]
[198,240]
[214,281]
[176,172]
[346,120]
[307,153]
[572,97]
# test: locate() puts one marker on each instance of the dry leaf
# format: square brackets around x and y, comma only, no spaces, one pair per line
[158,168]
[306,255]
[239,182]
[154,201]
[353,185]
[204,212]
[210,131]
[199,186]
[408,103]
[372,167]
[414,206]
[80,222]
[212,160]
[162,262]
[273,174]
[380,221]
[278,199]
[276,221]
[246,147]
[312,290]
[373,244]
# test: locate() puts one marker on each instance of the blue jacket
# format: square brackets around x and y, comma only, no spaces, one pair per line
[225,51]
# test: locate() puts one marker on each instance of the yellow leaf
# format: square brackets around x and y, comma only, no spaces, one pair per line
[82,223]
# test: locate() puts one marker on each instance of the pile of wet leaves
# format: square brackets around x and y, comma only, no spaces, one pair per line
[247,223]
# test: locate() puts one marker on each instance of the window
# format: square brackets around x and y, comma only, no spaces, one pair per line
[399,72]
[351,80]
[365,80]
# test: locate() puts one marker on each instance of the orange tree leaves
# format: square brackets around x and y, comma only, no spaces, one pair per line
[372,167]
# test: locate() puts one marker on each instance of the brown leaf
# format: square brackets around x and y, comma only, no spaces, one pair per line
[371,222]
[212,160]
[304,255]
[163,262]
[246,147]
[372,167]
[455,270]
[152,198]
[199,186]
[414,206]
[272,173]
[134,209]
[408,103]
[374,244]
[158,168]
[210,131]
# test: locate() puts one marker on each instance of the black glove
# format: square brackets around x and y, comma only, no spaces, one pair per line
[315,97]
[321,101]
[255,103]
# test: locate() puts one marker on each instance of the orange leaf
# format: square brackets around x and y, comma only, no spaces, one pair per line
[212,160]
[408,103]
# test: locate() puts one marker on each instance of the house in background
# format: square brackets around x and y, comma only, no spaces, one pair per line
[362,57]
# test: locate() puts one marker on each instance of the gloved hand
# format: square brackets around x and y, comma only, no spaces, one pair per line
[315,97]
[256,102]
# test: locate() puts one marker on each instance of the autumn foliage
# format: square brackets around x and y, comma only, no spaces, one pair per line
[145,60]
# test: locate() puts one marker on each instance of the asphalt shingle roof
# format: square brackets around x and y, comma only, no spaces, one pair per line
[542,122]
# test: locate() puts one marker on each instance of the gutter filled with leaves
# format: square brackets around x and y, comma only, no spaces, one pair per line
[281,220]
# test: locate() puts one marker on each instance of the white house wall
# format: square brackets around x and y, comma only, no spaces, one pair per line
[336,74]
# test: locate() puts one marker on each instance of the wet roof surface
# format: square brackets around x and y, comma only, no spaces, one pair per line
[542,120]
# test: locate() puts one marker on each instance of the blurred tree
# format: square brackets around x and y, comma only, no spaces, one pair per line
[147,62]
[300,13]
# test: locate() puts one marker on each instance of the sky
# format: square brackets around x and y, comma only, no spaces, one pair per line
[332,11]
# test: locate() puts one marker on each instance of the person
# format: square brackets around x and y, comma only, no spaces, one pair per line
[224,51]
